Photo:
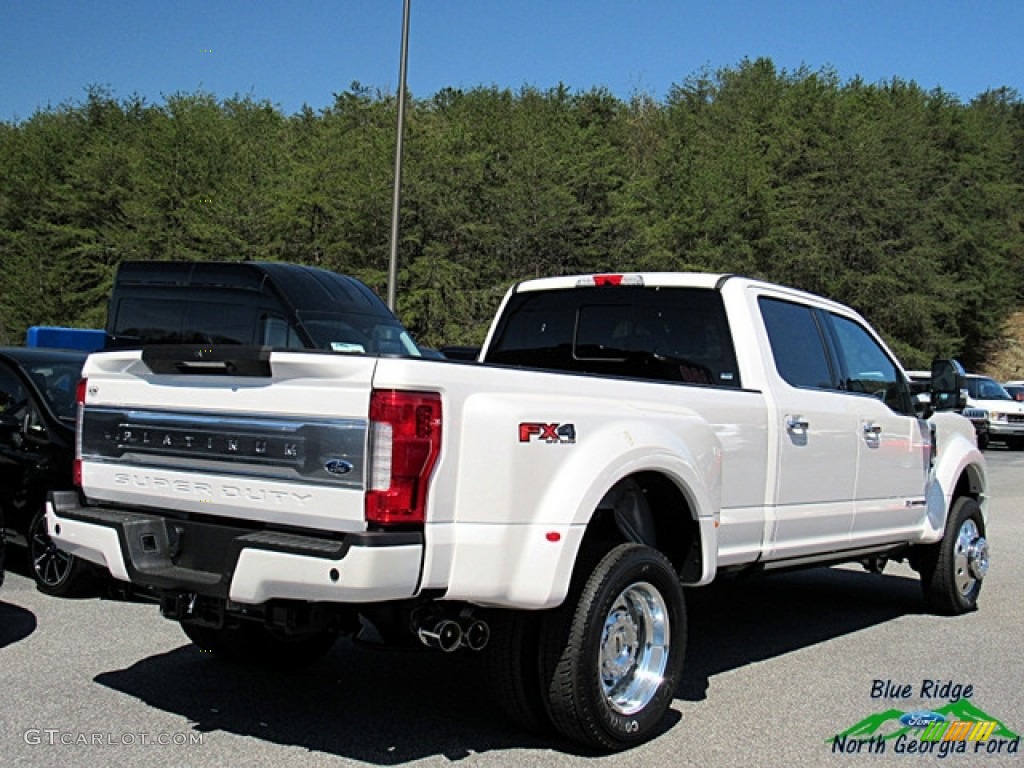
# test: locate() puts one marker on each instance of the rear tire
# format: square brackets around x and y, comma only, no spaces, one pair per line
[512,660]
[952,570]
[612,659]
[253,642]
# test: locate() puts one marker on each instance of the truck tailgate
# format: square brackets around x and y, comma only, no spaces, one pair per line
[277,438]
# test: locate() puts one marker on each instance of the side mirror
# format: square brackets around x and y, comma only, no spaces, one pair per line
[948,386]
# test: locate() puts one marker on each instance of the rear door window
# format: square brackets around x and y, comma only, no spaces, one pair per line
[798,344]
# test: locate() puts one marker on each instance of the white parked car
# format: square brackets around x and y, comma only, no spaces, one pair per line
[1005,414]
[977,415]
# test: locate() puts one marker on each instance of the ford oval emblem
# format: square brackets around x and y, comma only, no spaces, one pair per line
[338,466]
[921,718]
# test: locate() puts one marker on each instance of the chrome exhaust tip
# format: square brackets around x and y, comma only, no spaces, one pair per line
[445,634]
[476,635]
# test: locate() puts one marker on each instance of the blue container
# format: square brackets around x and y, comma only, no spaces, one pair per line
[88,339]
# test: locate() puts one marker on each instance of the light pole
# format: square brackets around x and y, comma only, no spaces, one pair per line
[396,199]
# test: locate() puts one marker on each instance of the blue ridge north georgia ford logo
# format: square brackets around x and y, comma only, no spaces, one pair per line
[958,727]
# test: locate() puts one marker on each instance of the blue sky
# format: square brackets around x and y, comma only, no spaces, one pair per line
[303,51]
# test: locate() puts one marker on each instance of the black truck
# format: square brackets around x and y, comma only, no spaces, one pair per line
[270,304]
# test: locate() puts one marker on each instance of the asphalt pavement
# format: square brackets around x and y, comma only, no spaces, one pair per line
[776,668]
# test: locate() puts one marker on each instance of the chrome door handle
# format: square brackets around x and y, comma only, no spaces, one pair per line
[796,424]
[871,429]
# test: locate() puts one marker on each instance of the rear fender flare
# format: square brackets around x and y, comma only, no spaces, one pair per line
[693,465]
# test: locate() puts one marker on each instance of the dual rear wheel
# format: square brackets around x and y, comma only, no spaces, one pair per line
[603,668]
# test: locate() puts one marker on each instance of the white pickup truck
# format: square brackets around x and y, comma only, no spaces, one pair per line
[622,436]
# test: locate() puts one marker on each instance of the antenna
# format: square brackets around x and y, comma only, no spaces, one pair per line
[397,198]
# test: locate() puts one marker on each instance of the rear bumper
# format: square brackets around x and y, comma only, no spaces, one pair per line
[240,564]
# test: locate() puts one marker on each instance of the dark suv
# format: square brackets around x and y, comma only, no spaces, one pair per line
[250,303]
[37,447]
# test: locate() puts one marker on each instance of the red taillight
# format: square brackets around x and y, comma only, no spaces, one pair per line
[405,441]
[76,467]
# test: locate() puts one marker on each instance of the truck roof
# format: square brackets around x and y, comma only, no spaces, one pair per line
[707,280]
[311,288]
[658,279]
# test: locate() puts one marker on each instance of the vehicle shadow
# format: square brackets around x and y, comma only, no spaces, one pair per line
[393,707]
[740,621]
[380,707]
[16,624]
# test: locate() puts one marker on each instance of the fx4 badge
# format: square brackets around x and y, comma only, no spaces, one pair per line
[546,433]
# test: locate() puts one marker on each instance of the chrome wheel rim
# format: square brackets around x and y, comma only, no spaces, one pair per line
[634,648]
[51,565]
[970,557]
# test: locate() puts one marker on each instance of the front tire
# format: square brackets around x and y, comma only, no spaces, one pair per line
[617,654]
[55,571]
[953,569]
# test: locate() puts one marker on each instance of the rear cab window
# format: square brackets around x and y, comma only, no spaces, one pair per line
[654,333]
